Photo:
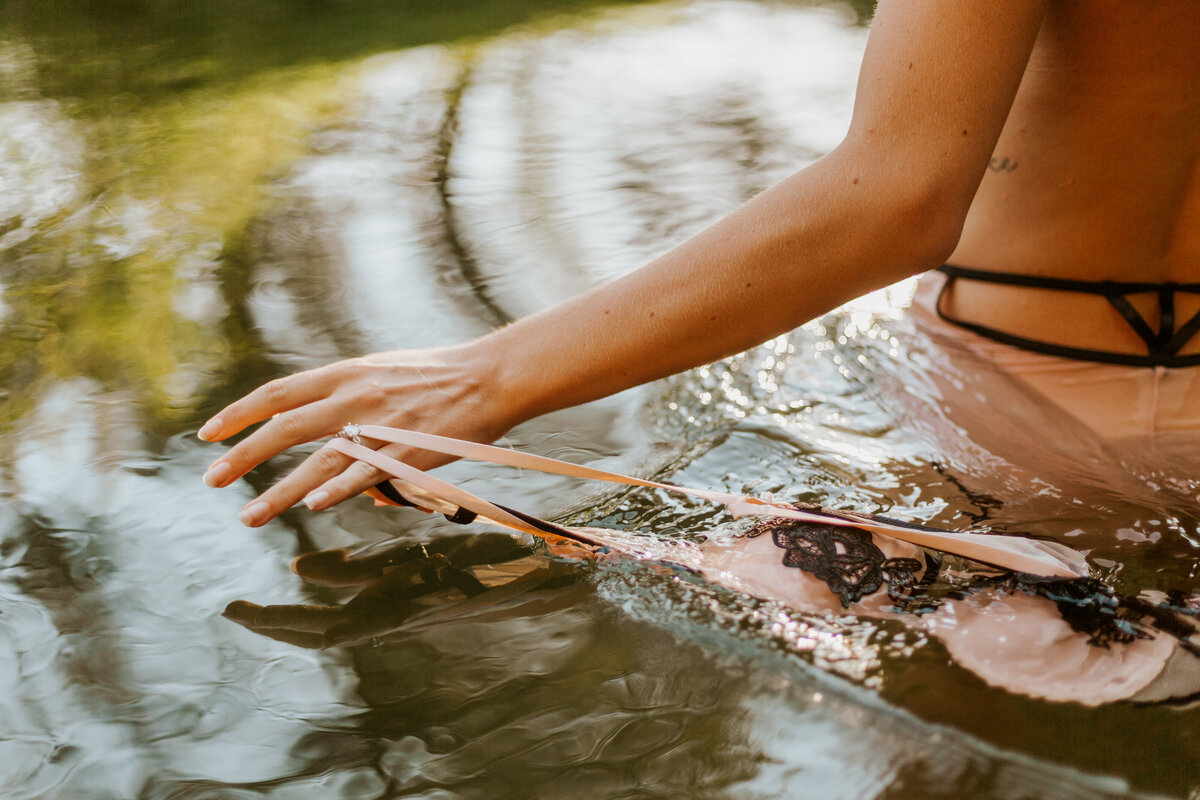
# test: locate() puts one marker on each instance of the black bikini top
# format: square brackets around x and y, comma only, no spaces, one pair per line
[1162,346]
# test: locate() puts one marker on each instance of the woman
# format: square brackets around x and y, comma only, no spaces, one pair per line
[1049,138]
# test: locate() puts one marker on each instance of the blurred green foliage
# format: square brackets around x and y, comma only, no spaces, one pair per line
[106,49]
[186,109]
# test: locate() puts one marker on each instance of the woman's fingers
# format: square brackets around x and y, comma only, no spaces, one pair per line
[334,567]
[324,479]
[274,397]
[303,626]
[304,424]
[400,387]
[355,480]
[315,471]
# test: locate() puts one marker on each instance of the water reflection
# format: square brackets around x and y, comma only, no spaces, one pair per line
[120,665]
[174,235]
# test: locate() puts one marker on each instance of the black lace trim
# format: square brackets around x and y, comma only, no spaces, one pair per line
[1094,608]
[846,559]
[853,566]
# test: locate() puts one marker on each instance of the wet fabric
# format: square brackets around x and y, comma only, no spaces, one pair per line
[1114,401]
[1008,552]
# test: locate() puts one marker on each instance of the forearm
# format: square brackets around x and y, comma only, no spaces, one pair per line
[937,82]
[827,234]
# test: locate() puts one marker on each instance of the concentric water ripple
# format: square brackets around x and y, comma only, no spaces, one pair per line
[451,188]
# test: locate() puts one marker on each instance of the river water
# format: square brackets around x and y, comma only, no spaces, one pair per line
[191,205]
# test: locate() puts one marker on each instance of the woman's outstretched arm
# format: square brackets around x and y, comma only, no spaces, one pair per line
[937,82]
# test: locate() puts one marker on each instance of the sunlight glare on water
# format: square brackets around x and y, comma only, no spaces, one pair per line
[226,210]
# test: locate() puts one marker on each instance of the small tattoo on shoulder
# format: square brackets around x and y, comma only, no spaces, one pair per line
[1002,165]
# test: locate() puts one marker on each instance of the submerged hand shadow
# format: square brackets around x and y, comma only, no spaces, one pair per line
[1064,640]
[409,588]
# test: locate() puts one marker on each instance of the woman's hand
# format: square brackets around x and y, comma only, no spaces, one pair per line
[888,202]
[449,391]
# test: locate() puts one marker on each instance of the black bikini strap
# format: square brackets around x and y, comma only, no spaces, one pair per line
[1166,314]
[1162,346]
[1142,328]
[386,489]
[463,516]
[1065,284]
[1185,333]
[1167,342]
[460,517]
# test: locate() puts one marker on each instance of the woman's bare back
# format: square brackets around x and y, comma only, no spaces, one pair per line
[1095,176]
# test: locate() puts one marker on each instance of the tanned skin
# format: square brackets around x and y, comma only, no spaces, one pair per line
[1050,137]
[1102,179]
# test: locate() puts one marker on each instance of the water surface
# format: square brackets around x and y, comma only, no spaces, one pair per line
[190,206]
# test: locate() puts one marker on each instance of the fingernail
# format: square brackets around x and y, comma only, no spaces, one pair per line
[316,501]
[218,474]
[254,514]
[210,429]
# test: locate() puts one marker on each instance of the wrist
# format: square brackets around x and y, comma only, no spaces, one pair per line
[503,388]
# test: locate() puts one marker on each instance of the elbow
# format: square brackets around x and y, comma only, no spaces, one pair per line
[927,219]
[916,206]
